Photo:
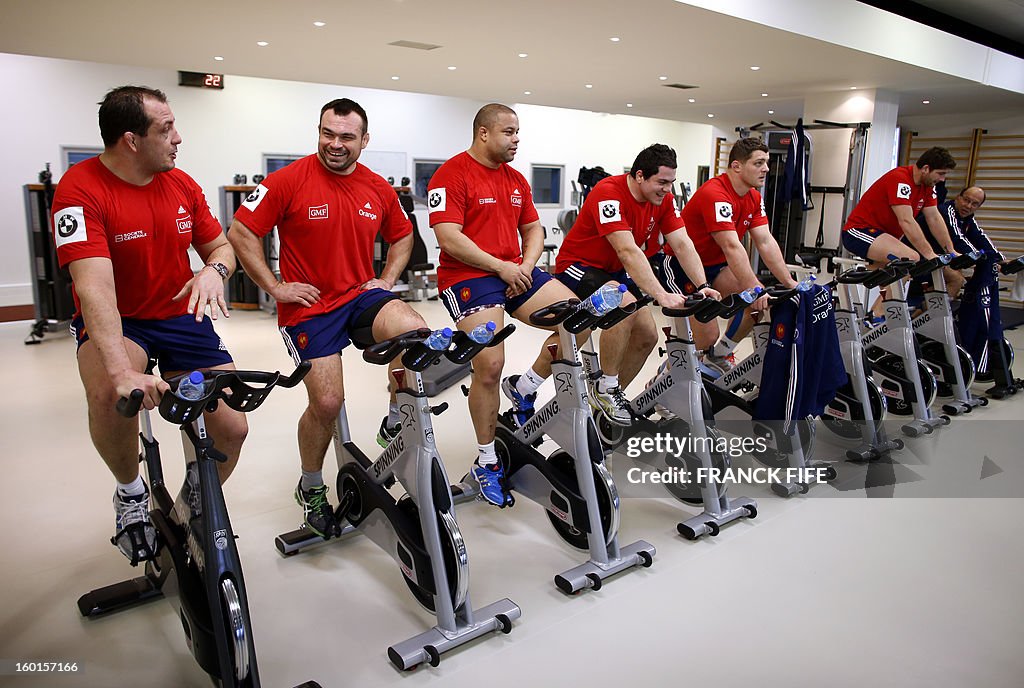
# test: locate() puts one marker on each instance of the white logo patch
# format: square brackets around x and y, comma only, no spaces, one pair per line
[609,212]
[181,210]
[318,212]
[437,199]
[903,191]
[69,224]
[253,200]
[723,211]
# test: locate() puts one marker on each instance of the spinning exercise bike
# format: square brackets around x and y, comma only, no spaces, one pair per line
[418,530]
[572,484]
[678,392]
[936,339]
[195,542]
[788,442]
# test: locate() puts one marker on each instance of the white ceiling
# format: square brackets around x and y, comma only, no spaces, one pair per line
[567,43]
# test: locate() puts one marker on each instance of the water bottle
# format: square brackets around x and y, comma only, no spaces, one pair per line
[439,339]
[192,386]
[806,284]
[483,334]
[750,295]
[604,300]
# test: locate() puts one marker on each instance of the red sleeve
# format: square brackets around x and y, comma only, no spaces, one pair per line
[670,218]
[931,200]
[264,208]
[718,212]
[446,195]
[206,227]
[606,210]
[396,223]
[79,230]
[898,191]
[529,212]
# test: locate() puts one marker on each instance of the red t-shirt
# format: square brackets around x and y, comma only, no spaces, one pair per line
[145,231]
[610,207]
[491,205]
[327,224]
[895,187]
[716,207]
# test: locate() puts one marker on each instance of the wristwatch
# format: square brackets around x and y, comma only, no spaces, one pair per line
[221,269]
[706,285]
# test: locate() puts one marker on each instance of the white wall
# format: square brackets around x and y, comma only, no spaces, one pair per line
[53,103]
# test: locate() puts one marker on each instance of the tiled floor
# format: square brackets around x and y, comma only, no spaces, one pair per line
[817,591]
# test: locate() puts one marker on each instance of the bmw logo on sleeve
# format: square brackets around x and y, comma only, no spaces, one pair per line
[903,191]
[609,211]
[70,225]
[253,200]
[437,199]
[723,211]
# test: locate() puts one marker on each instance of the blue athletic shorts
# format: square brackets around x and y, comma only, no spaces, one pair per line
[675,279]
[474,295]
[328,333]
[584,280]
[178,343]
[858,241]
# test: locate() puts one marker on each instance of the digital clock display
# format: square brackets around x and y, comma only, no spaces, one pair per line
[201,80]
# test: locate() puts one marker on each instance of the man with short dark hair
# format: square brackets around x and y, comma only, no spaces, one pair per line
[620,216]
[886,212]
[720,213]
[482,212]
[123,222]
[328,210]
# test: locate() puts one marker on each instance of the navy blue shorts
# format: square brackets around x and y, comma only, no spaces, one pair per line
[672,276]
[474,295]
[328,333]
[178,343]
[584,280]
[858,241]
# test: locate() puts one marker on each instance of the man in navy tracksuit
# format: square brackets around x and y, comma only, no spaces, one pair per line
[803,367]
[978,320]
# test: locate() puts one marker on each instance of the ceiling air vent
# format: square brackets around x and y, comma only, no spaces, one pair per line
[414,45]
[681,87]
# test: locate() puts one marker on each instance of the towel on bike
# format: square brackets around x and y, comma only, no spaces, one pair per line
[803,366]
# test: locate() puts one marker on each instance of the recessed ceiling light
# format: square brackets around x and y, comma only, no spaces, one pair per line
[394,78]
[614,39]
[629,104]
[925,102]
[710,115]
[663,78]
[589,85]
[771,112]
[319,23]
[692,100]
[523,55]
[754,68]
[526,93]
[764,95]
[452,68]
[262,44]
[218,58]
[853,88]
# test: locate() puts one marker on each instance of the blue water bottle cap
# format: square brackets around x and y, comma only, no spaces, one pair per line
[196,377]
[447,332]
[491,326]
[623,288]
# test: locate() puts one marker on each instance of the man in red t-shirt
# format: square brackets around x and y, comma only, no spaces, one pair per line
[490,235]
[328,211]
[885,213]
[717,217]
[619,216]
[123,222]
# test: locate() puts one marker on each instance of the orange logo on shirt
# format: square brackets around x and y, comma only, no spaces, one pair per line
[464,294]
[689,288]
[302,340]
[780,331]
